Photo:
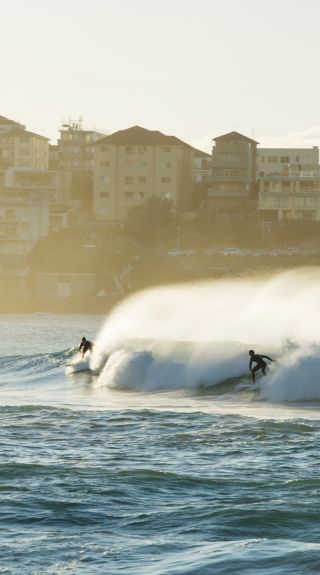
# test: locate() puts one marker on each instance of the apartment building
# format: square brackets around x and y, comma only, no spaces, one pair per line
[201,167]
[233,178]
[274,161]
[283,197]
[24,221]
[132,165]
[6,125]
[73,157]
[21,148]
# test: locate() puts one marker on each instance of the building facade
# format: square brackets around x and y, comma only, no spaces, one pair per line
[201,167]
[291,197]
[285,161]
[132,165]
[21,148]
[234,175]
[73,157]
[6,125]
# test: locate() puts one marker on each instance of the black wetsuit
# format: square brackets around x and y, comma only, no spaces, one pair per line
[261,364]
[85,345]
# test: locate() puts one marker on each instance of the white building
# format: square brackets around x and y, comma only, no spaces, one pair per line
[290,197]
[273,161]
[201,166]
[24,220]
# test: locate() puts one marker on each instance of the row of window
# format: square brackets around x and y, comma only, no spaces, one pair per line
[136,149]
[128,195]
[286,160]
[135,165]
[291,186]
[285,202]
[228,172]
[130,180]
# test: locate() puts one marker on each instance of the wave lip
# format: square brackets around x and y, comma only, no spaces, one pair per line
[180,366]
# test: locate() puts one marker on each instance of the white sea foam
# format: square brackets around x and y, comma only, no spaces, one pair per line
[297,378]
[221,320]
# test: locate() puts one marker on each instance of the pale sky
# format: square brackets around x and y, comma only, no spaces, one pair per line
[195,69]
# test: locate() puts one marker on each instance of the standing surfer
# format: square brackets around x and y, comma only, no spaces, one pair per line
[85,346]
[260,363]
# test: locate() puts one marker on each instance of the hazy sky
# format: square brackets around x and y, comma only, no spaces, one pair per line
[192,68]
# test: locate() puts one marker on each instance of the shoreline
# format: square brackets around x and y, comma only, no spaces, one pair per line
[162,271]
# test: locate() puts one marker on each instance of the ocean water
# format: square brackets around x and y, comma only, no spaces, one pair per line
[164,459]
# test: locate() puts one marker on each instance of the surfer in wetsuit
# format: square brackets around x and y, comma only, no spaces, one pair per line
[85,346]
[260,363]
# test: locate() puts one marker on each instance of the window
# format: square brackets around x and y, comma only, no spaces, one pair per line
[129,149]
[272,159]
[298,202]
[104,164]
[129,195]
[311,202]
[165,180]
[24,151]
[24,139]
[105,179]
[10,232]
[140,195]
[166,149]
[166,165]
[141,179]
[129,180]
[298,159]
[142,149]
[10,214]
[104,194]
[307,185]
[285,160]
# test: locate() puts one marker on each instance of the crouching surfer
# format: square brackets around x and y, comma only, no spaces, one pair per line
[85,346]
[260,363]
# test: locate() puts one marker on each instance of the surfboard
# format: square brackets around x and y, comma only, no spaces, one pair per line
[253,386]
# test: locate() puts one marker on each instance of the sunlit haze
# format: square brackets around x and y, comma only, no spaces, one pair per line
[195,69]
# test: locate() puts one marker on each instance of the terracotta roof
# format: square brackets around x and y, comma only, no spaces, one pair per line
[140,136]
[143,137]
[4,120]
[21,132]
[235,136]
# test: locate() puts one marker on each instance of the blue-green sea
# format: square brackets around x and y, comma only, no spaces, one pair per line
[164,459]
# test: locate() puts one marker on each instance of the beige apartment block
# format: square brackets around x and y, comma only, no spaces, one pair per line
[132,165]
[6,125]
[23,149]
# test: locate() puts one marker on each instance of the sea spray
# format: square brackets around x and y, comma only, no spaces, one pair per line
[200,334]
[296,377]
